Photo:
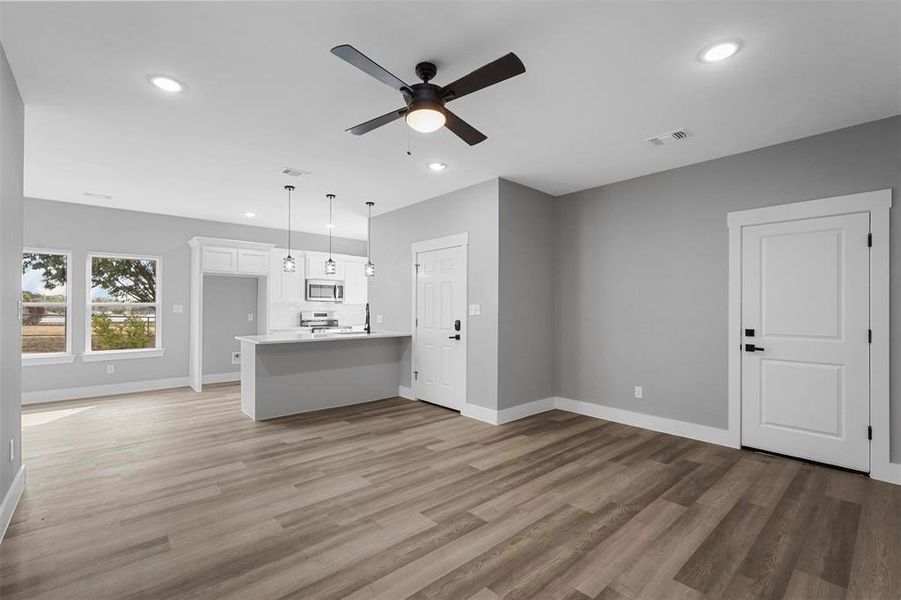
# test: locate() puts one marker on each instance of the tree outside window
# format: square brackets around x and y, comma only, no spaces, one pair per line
[45,303]
[123,303]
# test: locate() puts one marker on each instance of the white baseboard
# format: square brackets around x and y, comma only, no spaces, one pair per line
[222,377]
[506,415]
[405,392]
[694,431]
[111,389]
[11,501]
[888,472]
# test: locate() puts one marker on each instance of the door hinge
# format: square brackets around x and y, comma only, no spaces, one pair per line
[869,336]
[869,240]
[417,322]
[416,375]
[869,432]
[416,266]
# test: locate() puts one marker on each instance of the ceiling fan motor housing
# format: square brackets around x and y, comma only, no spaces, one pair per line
[425,95]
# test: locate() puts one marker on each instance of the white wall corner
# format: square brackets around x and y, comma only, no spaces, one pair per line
[480,413]
[888,472]
[703,433]
[11,501]
[405,392]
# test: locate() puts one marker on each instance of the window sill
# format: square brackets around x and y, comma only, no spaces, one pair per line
[102,355]
[34,360]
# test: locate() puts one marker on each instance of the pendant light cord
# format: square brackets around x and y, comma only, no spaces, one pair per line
[289,188]
[331,224]
[369,234]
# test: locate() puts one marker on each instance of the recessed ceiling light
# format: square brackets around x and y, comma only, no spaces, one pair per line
[250,214]
[167,84]
[720,51]
[437,166]
[330,226]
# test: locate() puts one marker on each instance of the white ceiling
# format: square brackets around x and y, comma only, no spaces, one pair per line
[264,93]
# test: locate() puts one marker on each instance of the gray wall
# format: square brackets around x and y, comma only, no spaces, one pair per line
[472,210]
[12,136]
[83,229]
[525,295]
[226,302]
[646,261]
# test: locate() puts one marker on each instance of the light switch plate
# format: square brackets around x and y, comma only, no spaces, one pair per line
[110,369]
[178,309]
[639,393]
[380,318]
[236,358]
[475,310]
[250,316]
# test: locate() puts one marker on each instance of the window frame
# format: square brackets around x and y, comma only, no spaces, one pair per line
[49,358]
[90,355]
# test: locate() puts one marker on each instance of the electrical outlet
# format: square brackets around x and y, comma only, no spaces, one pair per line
[380,318]
[250,316]
[178,309]
[475,310]
[639,393]
[110,369]
[236,358]
[12,450]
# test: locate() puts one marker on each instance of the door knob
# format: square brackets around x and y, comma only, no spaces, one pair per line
[753,348]
[454,337]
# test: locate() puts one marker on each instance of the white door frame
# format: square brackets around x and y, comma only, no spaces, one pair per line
[448,241]
[878,204]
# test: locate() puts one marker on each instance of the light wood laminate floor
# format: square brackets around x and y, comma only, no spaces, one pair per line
[178,495]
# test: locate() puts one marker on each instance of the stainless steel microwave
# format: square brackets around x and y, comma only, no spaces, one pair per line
[324,290]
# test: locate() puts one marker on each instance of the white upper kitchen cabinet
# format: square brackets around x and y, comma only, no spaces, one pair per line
[285,287]
[356,284]
[315,263]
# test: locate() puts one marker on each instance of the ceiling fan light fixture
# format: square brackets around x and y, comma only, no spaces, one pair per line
[426,120]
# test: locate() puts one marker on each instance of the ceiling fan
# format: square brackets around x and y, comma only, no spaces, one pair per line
[425,109]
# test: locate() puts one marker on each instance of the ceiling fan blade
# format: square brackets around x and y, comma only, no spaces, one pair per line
[367,65]
[462,129]
[377,122]
[503,68]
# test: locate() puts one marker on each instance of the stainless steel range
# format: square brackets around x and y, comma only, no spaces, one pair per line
[322,321]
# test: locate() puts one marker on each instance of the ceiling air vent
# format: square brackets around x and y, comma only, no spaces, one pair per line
[291,172]
[668,137]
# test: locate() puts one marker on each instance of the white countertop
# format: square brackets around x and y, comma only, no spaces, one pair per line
[296,338]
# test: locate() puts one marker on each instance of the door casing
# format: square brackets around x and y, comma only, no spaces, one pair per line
[877,204]
[449,241]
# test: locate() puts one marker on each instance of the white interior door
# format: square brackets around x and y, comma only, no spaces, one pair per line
[439,357]
[805,354]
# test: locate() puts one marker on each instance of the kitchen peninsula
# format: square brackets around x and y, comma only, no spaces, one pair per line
[289,373]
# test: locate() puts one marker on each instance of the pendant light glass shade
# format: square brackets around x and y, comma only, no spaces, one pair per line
[369,269]
[289,265]
[330,267]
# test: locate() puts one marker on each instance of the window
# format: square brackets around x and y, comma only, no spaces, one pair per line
[123,306]
[46,327]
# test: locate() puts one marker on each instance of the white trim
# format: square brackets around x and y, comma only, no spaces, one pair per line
[811,209]
[222,377]
[704,433]
[405,392]
[90,355]
[68,303]
[11,501]
[127,354]
[96,391]
[878,205]
[55,358]
[449,241]
[506,415]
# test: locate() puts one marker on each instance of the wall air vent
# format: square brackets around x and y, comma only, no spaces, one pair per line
[291,172]
[668,137]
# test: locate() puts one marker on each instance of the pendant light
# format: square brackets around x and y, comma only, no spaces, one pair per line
[289,265]
[369,269]
[330,266]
